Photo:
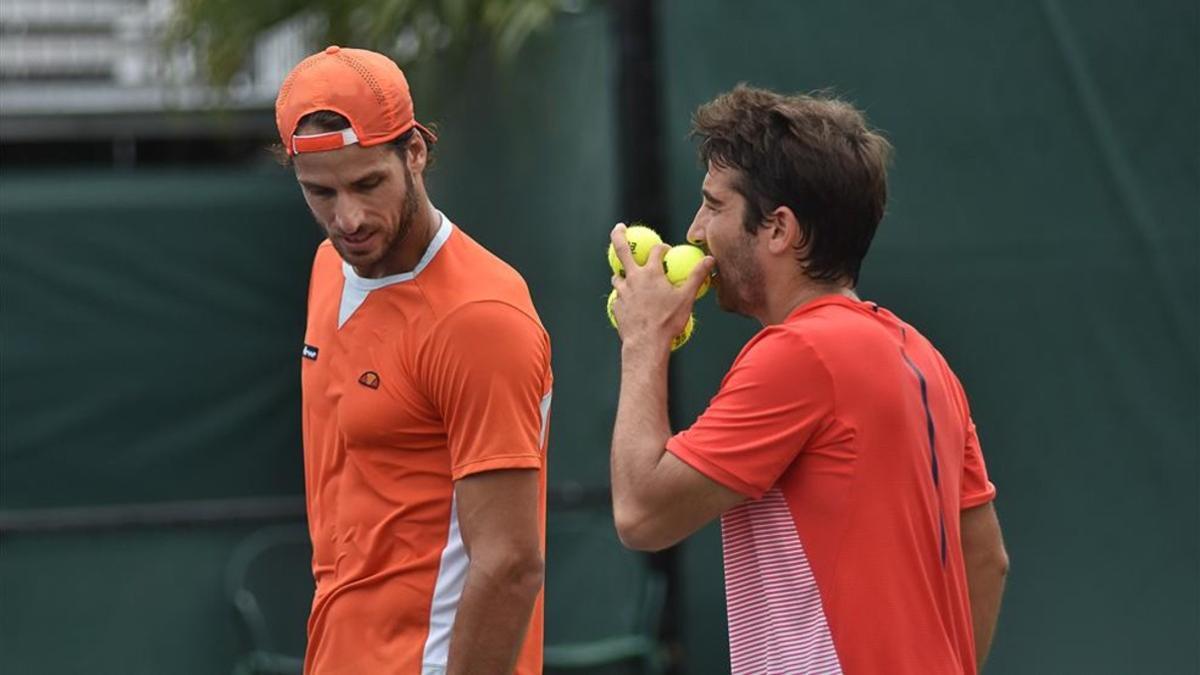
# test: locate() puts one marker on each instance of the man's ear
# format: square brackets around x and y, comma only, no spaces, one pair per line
[784,233]
[416,154]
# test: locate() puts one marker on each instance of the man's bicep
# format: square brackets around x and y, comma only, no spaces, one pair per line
[689,499]
[980,529]
[498,511]
[487,371]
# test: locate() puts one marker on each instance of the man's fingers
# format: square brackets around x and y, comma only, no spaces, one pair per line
[621,246]
[699,274]
[657,253]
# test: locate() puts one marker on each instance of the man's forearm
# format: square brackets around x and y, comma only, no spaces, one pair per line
[493,616]
[985,582]
[986,564]
[642,426]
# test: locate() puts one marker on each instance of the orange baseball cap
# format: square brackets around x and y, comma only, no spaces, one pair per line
[365,87]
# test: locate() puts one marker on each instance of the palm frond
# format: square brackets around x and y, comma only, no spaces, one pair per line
[224,32]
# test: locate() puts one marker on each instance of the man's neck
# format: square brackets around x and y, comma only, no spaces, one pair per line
[781,305]
[410,251]
[424,229]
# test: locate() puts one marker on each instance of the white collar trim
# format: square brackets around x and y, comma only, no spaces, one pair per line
[445,228]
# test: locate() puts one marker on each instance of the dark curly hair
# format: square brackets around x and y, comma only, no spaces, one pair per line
[814,154]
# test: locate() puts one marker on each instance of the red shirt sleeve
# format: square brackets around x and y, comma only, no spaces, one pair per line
[486,366]
[775,398]
[976,488]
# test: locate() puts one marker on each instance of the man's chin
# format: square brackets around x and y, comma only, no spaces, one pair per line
[728,301]
[358,258]
[724,299]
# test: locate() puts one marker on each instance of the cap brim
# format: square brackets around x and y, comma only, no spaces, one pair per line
[425,130]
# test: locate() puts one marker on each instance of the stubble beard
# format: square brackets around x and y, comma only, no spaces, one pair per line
[739,281]
[392,241]
[408,214]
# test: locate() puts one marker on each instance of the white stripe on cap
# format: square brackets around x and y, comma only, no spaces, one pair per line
[347,136]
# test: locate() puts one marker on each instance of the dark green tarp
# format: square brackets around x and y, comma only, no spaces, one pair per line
[1042,230]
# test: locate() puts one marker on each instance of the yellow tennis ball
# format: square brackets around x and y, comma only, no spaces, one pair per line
[681,339]
[679,263]
[612,297]
[641,239]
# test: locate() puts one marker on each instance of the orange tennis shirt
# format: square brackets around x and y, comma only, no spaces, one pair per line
[852,440]
[411,382]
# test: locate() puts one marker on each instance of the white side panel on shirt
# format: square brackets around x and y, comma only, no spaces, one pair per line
[776,622]
[452,574]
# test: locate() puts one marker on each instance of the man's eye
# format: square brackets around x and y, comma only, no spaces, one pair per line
[323,193]
[369,184]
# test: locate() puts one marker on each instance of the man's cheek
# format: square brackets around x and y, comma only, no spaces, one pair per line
[322,216]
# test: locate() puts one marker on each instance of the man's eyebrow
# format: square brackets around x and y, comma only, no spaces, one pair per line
[709,196]
[370,175]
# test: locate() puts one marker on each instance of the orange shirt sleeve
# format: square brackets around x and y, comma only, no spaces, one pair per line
[772,402]
[486,366]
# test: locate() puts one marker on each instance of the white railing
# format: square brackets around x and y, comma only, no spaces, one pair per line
[82,57]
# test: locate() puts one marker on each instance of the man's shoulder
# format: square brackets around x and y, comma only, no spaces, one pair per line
[837,332]
[815,330]
[475,260]
[781,353]
[325,258]
[472,274]
[326,267]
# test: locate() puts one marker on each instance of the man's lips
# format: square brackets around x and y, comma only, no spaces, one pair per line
[357,239]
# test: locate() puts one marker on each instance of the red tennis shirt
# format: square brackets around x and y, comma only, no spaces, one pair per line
[854,443]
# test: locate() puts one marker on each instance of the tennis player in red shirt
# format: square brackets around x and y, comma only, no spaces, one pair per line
[839,452]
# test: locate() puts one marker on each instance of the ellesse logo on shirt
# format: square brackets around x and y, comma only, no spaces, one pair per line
[369,379]
[309,352]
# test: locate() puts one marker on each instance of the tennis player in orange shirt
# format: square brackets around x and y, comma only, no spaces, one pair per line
[426,399]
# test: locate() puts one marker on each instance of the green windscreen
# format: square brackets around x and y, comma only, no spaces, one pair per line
[1043,230]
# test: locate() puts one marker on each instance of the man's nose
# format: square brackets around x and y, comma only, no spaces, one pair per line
[695,233]
[347,216]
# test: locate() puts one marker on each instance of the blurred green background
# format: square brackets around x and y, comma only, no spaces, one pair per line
[1043,230]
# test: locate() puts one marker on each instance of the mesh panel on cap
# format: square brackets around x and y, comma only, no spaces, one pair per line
[366,75]
[286,89]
